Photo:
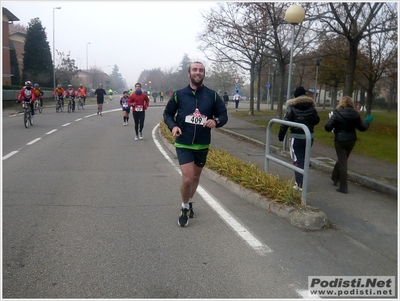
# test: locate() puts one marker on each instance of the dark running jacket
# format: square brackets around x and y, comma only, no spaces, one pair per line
[344,123]
[301,110]
[183,103]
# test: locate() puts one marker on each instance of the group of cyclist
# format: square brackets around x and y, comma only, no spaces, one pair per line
[60,93]
[32,94]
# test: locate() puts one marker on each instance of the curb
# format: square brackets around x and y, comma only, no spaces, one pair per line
[304,217]
[319,164]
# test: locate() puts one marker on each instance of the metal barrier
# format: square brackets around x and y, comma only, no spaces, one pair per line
[268,157]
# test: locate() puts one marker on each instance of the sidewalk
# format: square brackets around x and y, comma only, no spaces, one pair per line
[368,172]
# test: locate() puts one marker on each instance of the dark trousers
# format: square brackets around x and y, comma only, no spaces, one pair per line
[138,117]
[298,154]
[339,173]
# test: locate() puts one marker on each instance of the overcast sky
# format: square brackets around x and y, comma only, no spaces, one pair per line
[134,35]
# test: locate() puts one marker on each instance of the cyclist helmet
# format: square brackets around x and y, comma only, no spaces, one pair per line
[80,85]
[28,83]
[69,86]
[36,85]
[59,85]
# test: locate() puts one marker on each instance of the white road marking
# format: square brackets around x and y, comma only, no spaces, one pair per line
[33,141]
[51,132]
[9,155]
[304,295]
[252,241]
[66,124]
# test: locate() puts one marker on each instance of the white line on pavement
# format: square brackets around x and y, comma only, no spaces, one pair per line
[33,141]
[9,155]
[51,132]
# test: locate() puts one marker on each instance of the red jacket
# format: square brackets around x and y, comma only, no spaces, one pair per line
[82,92]
[26,94]
[70,92]
[137,101]
[59,92]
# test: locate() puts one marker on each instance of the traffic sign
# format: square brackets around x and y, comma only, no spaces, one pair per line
[268,85]
[236,88]
[237,79]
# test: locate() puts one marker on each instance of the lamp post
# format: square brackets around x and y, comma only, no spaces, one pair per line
[87,60]
[316,60]
[294,15]
[54,56]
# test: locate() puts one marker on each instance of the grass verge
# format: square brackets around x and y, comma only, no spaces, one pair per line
[247,175]
[379,141]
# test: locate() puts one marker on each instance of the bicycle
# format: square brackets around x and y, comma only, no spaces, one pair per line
[71,104]
[28,117]
[80,103]
[59,106]
[38,106]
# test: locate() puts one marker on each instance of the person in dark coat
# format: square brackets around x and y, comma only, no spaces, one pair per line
[343,122]
[300,109]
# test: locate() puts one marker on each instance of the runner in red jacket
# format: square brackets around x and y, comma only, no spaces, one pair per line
[139,103]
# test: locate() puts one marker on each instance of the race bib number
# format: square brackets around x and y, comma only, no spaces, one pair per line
[125,105]
[195,119]
[138,108]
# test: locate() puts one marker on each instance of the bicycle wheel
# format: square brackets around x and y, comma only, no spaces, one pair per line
[69,107]
[26,120]
[40,109]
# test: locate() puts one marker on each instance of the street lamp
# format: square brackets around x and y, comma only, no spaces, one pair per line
[316,61]
[87,60]
[294,15]
[54,56]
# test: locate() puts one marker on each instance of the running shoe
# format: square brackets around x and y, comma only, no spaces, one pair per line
[136,137]
[297,187]
[183,220]
[191,212]
[140,135]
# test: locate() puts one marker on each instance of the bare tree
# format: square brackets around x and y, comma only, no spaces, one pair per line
[230,37]
[376,58]
[355,21]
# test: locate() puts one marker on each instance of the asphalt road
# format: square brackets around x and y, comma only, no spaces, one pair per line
[90,213]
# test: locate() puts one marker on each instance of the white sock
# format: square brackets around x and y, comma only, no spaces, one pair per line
[190,200]
[185,206]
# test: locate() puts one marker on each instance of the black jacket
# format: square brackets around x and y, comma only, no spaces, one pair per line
[301,110]
[184,103]
[344,123]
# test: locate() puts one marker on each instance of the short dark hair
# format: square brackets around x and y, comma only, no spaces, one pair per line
[196,63]
[138,84]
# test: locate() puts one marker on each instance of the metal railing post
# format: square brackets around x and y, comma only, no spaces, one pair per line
[268,157]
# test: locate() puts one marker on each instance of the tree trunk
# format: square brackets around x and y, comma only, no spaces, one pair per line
[282,67]
[252,69]
[350,69]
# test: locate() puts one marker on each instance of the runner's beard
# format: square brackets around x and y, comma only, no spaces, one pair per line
[197,82]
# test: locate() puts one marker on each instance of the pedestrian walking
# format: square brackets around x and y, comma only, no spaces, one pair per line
[226,99]
[139,101]
[344,121]
[300,109]
[126,109]
[190,114]
[237,98]
[161,96]
[100,92]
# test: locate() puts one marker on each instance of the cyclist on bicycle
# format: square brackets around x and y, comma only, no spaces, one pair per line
[82,92]
[59,91]
[70,92]
[38,94]
[27,95]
